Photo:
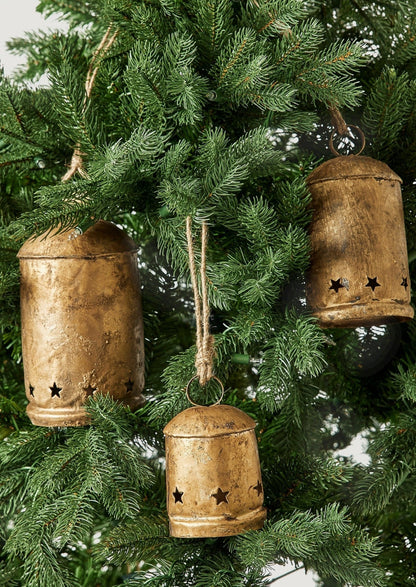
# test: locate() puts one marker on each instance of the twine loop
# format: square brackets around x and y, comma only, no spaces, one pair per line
[358,131]
[342,129]
[204,361]
[188,395]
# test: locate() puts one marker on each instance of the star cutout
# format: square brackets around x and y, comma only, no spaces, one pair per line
[404,283]
[129,385]
[178,496]
[31,390]
[258,488]
[336,285]
[55,390]
[89,391]
[372,282]
[221,496]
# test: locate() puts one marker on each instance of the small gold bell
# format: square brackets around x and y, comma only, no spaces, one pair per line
[213,477]
[82,330]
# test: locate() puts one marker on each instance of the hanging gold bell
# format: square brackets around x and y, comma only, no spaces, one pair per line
[82,330]
[213,477]
[359,273]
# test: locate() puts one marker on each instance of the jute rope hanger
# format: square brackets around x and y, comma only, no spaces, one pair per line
[338,121]
[77,164]
[204,361]
[343,130]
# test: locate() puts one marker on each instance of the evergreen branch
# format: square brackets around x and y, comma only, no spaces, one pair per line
[15,160]
[9,102]
[389,105]
[274,17]
[141,539]
[213,25]
[238,47]
[405,380]
[299,44]
[43,564]
[25,448]
[307,536]
[394,460]
[282,368]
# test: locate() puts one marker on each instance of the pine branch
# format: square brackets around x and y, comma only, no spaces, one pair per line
[388,108]
[307,536]
[294,354]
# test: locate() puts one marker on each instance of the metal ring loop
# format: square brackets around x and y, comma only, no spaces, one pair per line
[360,134]
[199,405]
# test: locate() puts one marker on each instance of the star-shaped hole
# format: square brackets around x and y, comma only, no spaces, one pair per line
[178,495]
[55,390]
[129,385]
[336,285]
[404,283]
[89,391]
[258,488]
[31,390]
[372,282]
[221,496]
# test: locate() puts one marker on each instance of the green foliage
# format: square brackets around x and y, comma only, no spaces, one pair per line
[294,355]
[75,475]
[325,537]
[216,110]
[388,108]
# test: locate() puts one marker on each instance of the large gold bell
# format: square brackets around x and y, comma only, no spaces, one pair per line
[82,330]
[359,274]
[213,478]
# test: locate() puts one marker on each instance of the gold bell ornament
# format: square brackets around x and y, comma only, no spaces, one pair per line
[82,329]
[359,273]
[213,478]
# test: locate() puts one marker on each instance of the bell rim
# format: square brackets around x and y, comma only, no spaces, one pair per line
[51,417]
[185,527]
[378,313]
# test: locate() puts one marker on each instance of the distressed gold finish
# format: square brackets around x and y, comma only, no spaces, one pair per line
[213,476]
[82,330]
[359,274]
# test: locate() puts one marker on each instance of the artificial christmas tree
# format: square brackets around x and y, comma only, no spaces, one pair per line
[157,111]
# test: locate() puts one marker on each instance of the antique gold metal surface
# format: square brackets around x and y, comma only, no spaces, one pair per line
[82,330]
[213,477]
[359,274]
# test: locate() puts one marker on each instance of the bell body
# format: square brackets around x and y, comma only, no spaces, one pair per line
[359,274]
[82,330]
[213,476]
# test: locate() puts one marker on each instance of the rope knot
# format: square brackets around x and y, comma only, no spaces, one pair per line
[77,165]
[204,360]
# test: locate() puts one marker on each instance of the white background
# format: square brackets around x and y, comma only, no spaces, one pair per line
[19,16]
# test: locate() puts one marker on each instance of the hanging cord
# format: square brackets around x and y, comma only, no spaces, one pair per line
[204,361]
[343,129]
[338,122]
[77,164]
